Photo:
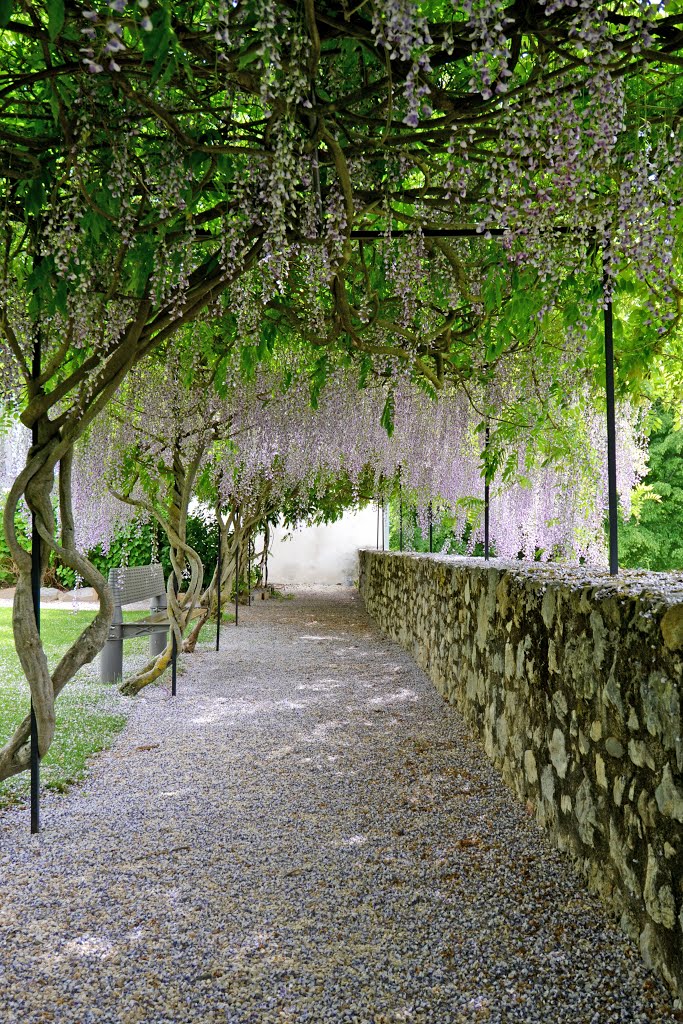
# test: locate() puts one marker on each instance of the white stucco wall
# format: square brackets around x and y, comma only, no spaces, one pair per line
[323,554]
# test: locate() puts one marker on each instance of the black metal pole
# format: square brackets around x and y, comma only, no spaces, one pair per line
[35,775]
[219,570]
[174,665]
[35,755]
[400,511]
[368,234]
[237,579]
[611,437]
[487,520]
[431,529]
[265,563]
[487,503]
[249,554]
[174,647]
[36,579]
[383,542]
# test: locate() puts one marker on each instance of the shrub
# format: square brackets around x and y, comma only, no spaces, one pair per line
[132,545]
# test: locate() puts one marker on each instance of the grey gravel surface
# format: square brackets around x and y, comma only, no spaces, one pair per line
[307,833]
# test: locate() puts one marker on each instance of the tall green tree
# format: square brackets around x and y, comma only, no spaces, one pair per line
[653,537]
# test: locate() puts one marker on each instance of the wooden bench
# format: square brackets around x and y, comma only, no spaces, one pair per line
[129,585]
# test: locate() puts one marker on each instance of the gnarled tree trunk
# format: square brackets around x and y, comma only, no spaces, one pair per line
[183,556]
[230,538]
[35,484]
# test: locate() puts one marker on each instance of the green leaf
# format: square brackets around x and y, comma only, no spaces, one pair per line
[267,338]
[40,274]
[55,17]
[492,295]
[60,297]
[139,267]
[35,197]
[164,68]
[54,107]
[387,417]
[199,162]
[224,164]
[248,361]
[157,43]
[222,377]
[253,53]
[427,388]
[5,11]
[318,379]
[365,368]
[95,224]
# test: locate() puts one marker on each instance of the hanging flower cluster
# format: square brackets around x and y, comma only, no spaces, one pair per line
[403,32]
[554,510]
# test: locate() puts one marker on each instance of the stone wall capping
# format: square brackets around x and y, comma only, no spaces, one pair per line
[656,587]
[573,680]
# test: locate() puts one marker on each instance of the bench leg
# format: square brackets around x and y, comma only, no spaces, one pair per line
[157,643]
[111,661]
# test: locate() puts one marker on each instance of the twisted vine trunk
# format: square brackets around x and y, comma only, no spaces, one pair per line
[35,485]
[54,440]
[230,538]
[265,552]
[75,395]
[183,557]
[236,530]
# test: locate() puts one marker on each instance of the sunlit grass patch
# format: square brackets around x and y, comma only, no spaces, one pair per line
[89,713]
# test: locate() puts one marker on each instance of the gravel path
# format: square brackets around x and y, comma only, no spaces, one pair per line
[306,834]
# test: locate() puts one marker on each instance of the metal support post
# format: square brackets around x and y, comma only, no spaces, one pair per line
[35,775]
[237,580]
[35,756]
[378,526]
[219,570]
[174,647]
[612,499]
[383,540]
[36,579]
[400,511]
[249,554]
[431,529]
[487,503]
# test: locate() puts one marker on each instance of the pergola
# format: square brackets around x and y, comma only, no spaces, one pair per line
[143,148]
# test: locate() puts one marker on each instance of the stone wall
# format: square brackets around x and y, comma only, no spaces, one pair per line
[574,683]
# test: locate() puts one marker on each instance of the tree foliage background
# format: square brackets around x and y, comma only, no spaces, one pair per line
[653,537]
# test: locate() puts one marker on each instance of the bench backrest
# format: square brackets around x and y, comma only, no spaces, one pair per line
[136,583]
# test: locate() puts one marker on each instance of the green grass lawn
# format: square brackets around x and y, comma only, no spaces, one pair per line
[88,713]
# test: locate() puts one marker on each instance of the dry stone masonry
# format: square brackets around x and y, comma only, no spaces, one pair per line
[573,681]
